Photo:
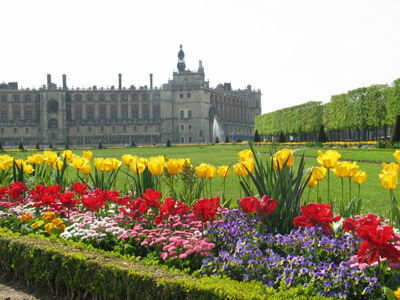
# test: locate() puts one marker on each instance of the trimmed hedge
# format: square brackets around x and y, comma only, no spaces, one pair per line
[83,273]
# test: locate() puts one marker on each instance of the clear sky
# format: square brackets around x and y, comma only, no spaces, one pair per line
[293,50]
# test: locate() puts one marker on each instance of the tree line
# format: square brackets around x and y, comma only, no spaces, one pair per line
[362,114]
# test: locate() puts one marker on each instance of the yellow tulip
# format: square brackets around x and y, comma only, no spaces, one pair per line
[28,169]
[138,166]
[388,179]
[329,159]
[7,160]
[67,154]
[156,166]
[78,162]
[312,182]
[3,166]
[360,177]
[397,293]
[115,163]
[36,159]
[396,155]
[319,173]
[245,154]
[50,157]
[353,169]
[248,166]
[88,155]
[211,172]
[173,166]
[108,164]
[238,169]
[58,165]
[281,157]
[86,169]
[342,169]
[223,171]
[390,167]
[20,163]
[201,170]
[99,164]
[127,159]
[182,162]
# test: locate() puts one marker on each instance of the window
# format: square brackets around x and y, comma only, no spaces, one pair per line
[134,97]
[113,97]
[89,98]
[156,97]
[124,98]
[134,128]
[125,114]
[15,130]
[102,128]
[124,128]
[78,115]
[102,98]
[4,115]
[28,115]
[102,114]
[78,98]
[53,124]
[135,114]
[90,115]
[26,129]
[27,98]
[182,127]
[146,113]
[53,135]
[189,127]
[53,106]
[68,116]
[16,115]
[189,114]
[16,98]
[77,129]
[182,114]
[2,130]
[145,128]
[181,96]
[3,99]
[145,97]
[182,139]
[189,95]
[37,98]
[190,139]
[90,129]
[113,114]
[113,128]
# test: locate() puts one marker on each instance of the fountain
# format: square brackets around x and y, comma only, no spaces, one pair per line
[217,132]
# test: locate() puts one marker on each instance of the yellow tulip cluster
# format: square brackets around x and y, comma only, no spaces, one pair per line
[245,164]
[282,157]
[389,175]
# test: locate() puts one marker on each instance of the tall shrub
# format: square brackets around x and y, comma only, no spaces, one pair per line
[395,138]
[321,138]
[256,137]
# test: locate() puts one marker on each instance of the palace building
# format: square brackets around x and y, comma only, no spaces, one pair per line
[185,110]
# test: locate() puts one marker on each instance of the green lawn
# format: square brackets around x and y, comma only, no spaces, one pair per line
[375,197]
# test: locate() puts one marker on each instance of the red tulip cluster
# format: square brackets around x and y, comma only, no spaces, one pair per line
[377,240]
[265,207]
[205,209]
[316,214]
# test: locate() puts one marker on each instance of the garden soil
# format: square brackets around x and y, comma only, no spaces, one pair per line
[14,289]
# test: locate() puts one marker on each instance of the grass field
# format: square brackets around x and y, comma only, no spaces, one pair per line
[375,197]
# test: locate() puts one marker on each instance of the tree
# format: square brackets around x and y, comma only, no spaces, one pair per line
[168,143]
[256,137]
[37,146]
[100,146]
[51,145]
[133,144]
[21,147]
[226,139]
[395,138]
[66,147]
[1,146]
[282,138]
[321,138]
[217,140]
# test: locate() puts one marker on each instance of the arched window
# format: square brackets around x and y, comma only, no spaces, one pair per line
[145,97]
[89,98]
[16,98]
[182,114]
[134,97]
[114,97]
[102,97]
[78,98]
[189,114]
[16,115]
[124,97]
[114,114]
[52,124]
[90,114]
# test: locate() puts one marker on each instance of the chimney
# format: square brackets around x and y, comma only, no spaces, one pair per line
[48,81]
[120,81]
[64,81]
[151,81]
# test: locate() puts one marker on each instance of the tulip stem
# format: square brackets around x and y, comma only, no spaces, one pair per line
[349,188]
[359,188]
[328,185]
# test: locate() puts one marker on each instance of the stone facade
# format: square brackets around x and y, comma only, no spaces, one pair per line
[185,110]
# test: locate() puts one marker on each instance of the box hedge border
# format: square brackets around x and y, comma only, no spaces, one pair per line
[83,273]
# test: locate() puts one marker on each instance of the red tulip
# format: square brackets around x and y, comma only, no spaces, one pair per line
[93,203]
[266,206]
[68,201]
[170,208]
[353,225]
[316,214]
[376,244]
[152,197]
[79,188]
[205,209]
[249,204]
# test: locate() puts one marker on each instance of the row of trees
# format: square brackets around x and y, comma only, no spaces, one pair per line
[363,110]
